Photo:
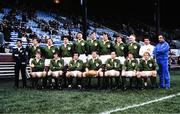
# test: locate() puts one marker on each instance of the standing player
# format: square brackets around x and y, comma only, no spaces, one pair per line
[80,46]
[105,48]
[92,45]
[66,50]
[147,47]
[32,49]
[120,48]
[48,51]
[133,46]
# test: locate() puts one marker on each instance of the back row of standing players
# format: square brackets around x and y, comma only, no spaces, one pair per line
[104,47]
[89,56]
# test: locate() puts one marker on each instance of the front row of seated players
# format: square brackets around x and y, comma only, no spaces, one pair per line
[137,71]
[132,69]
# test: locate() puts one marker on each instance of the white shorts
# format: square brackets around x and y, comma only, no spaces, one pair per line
[104,58]
[75,73]
[112,73]
[47,62]
[128,73]
[67,60]
[56,73]
[83,57]
[38,74]
[147,73]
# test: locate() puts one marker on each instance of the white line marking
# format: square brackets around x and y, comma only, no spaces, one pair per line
[141,104]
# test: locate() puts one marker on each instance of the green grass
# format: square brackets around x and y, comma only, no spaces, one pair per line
[163,107]
[94,101]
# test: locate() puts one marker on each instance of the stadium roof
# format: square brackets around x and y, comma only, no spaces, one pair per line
[119,10]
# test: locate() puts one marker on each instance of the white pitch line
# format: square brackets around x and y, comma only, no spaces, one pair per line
[141,104]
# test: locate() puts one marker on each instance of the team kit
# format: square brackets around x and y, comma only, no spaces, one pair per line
[110,64]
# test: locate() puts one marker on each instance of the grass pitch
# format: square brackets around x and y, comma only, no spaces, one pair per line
[94,101]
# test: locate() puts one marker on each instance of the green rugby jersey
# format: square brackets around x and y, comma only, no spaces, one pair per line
[57,65]
[94,64]
[38,65]
[134,49]
[130,65]
[113,64]
[148,65]
[76,65]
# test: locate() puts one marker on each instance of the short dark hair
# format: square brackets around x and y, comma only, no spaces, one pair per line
[116,35]
[146,37]
[65,36]
[38,52]
[130,53]
[49,39]
[95,52]
[19,41]
[113,51]
[92,32]
[56,52]
[36,40]
[105,33]
[161,35]
[76,53]
[79,33]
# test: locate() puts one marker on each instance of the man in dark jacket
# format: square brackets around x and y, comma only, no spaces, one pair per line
[19,55]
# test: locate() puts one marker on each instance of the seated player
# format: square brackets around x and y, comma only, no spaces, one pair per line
[75,69]
[56,69]
[93,68]
[113,67]
[129,69]
[147,68]
[37,69]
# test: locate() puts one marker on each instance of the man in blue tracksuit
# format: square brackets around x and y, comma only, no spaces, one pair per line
[161,52]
